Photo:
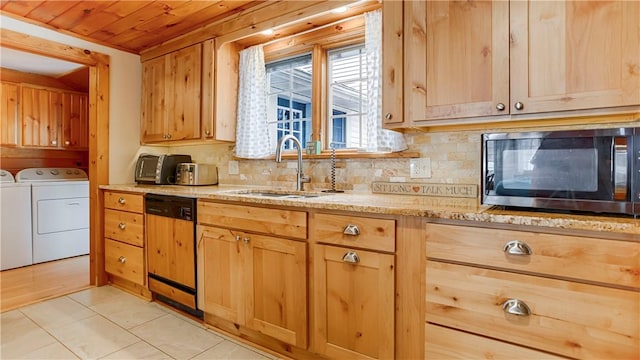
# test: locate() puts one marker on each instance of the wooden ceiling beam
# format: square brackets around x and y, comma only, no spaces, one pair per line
[19,41]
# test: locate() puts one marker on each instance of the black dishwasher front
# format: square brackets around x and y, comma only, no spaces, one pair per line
[171,250]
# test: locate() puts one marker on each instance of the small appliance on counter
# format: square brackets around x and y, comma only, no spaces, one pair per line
[196,174]
[158,169]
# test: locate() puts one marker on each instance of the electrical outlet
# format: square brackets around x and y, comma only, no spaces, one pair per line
[233,168]
[420,168]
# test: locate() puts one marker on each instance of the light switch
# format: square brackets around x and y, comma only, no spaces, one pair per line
[233,168]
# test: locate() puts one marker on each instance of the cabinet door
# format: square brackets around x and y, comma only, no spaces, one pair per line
[169,243]
[568,55]
[41,111]
[276,286]
[75,120]
[221,272]
[457,59]
[184,92]
[153,117]
[354,303]
[9,120]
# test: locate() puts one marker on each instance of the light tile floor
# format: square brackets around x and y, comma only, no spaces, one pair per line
[107,323]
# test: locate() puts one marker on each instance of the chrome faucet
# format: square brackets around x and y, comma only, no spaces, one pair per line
[301,179]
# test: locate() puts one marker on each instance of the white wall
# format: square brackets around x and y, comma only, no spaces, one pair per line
[124,97]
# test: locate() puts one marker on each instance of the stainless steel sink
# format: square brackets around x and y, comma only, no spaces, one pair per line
[279,194]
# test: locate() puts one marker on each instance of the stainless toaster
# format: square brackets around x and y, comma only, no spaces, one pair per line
[196,174]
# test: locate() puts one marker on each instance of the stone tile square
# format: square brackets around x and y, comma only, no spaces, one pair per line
[140,350]
[20,336]
[93,337]
[129,311]
[57,312]
[176,337]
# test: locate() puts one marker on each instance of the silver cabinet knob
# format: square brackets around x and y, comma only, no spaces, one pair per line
[207,132]
[67,142]
[517,247]
[519,105]
[500,107]
[351,257]
[122,259]
[54,142]
[352,230]
[168,136]
[516,307]
[388,116]
[122,226]
[246,239]
[121,201]
[238,237]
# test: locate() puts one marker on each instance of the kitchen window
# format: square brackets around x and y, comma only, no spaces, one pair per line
[319,87]
[290,100]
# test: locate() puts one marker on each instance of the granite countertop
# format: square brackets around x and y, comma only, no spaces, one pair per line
[450,208]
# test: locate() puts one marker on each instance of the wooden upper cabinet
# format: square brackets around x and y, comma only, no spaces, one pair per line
[459,56]
[41,112]
[574,55]
[9,112]
[490,58]
[183,107]
[75,121]
[171,96]
[153,100]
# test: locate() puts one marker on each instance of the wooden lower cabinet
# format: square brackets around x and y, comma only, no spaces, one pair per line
[554,294]
[255,280]
[124,241]
[354,303]
[125,261]
[445,343]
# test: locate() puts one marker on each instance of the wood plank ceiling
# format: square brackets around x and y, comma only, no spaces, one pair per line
[131,26]
[136,26]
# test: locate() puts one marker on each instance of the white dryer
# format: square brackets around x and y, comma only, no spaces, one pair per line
[59,211]
[15,223]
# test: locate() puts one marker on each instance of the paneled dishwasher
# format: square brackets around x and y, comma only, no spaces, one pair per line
[171,250]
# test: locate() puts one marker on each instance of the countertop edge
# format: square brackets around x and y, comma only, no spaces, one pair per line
[440,208]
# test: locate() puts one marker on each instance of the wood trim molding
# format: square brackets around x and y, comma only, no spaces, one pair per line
[98,128]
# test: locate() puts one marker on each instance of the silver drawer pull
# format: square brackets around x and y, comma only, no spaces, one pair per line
[122,226]
[122,259]
[351,257]
[352,230]
[516,307]
[121,201]
[517,247]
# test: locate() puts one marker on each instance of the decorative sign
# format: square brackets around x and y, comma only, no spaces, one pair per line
[448,190]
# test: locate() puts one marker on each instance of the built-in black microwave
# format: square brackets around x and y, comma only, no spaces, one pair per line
[158,169]
[582,170]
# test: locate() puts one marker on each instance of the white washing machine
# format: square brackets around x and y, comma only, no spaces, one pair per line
[15,223]
[59,212]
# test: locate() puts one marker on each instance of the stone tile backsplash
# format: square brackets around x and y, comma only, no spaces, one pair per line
[455,159]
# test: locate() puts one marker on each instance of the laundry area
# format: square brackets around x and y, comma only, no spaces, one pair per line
[44,215]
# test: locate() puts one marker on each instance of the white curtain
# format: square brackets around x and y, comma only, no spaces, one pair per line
[252,133]
[378,139]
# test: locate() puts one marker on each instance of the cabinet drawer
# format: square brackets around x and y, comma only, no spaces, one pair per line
[355,231]
[445,343]
[601,260]
[565,318]
[255,219]
[125,261]
[124,226]
[124,201]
